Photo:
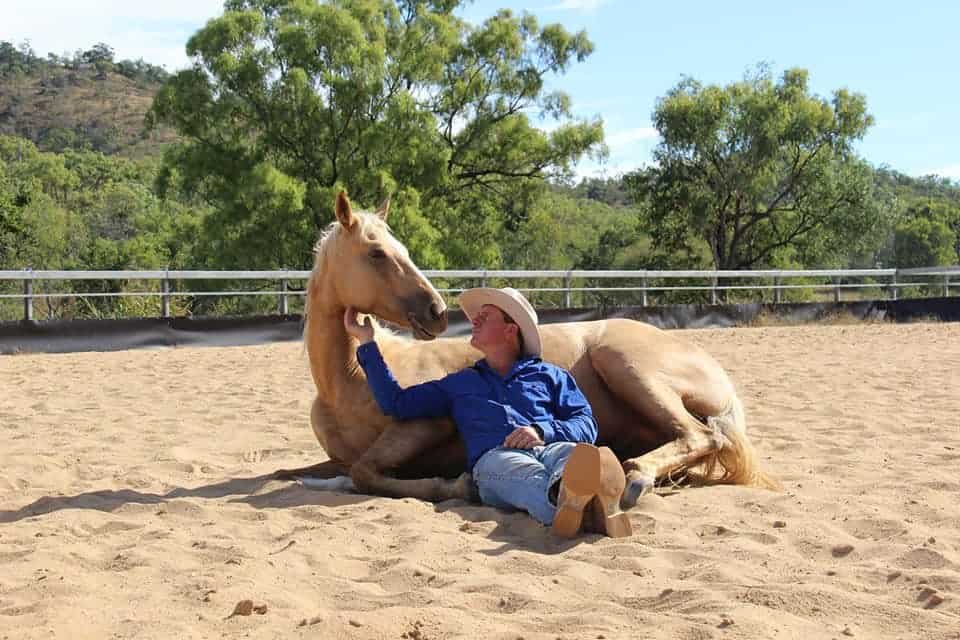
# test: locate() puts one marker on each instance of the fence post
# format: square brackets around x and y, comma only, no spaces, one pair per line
[777,291]
[284,304]
[28,300]
[836,288]
[946,286]
[643,291]
[713,291]
[165,298]
[567,283]
[893,286]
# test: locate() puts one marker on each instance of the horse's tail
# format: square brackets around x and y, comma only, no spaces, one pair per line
[736,461]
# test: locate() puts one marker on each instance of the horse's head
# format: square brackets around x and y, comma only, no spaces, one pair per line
[371,270]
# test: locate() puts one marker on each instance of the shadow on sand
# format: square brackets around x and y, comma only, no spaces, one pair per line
[515,530]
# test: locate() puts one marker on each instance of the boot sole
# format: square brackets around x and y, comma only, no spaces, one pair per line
[581,482]
[606,515]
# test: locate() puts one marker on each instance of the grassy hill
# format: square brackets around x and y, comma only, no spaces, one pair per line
[82,103]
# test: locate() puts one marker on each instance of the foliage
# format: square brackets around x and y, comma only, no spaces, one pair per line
[84,210]
[87,101]
[762,171]
[926,231]
[294,100]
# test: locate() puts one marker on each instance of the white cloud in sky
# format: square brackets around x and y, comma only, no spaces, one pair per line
[950,171]
[630,137]
[154,31]
[578,5]
[629,150]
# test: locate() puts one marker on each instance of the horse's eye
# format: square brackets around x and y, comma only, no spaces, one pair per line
[378,254]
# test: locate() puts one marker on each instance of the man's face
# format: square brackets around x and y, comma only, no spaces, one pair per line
[490,330]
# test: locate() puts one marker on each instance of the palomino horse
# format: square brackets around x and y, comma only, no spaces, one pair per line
[662,404]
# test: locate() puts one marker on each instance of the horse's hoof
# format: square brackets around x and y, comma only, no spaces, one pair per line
[637,487]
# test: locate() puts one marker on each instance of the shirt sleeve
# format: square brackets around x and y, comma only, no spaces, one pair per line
[427,400]
[573,418]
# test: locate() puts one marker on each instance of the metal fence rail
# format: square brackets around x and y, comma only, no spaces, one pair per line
[777,280]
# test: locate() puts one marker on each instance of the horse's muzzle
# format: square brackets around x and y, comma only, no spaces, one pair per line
[428,329]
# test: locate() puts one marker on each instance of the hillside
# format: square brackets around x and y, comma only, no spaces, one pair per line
[86,102]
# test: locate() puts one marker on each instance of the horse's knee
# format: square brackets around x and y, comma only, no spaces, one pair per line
[705,441]
[364,476]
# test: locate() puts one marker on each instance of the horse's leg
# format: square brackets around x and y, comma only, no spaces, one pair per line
[689,449]
[446,460]
[398,446]
[666,391]
[327,469]
[717,452]
[686,440]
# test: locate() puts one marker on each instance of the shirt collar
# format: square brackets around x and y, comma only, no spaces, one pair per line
[521,363]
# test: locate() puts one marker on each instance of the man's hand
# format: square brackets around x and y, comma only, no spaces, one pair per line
[523,438]
[362,332]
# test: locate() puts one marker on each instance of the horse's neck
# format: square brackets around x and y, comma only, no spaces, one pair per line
[333,357]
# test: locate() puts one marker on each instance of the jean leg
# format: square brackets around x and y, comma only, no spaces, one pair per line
[554,459]
[521,478]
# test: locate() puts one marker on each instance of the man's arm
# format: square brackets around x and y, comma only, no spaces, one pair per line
[573,419]
[427,400]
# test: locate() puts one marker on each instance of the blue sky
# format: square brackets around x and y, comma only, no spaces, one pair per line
[903,56]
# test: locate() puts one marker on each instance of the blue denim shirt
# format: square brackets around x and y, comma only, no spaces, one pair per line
[486,407]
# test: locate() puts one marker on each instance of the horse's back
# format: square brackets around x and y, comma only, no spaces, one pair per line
[568,341]
[643,354]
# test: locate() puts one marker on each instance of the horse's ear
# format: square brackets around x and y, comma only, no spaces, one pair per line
[384,209]
[345,211]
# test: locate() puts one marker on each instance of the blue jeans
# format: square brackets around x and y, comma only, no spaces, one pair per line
[521,478]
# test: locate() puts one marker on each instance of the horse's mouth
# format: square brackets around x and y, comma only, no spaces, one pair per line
[419,331]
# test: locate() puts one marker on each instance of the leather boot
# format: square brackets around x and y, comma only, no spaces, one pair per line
[579,483]
[603,513]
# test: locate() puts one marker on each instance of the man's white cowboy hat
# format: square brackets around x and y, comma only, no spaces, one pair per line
[511,302]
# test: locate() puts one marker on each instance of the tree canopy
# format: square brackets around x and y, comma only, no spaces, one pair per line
[762,171]
[290,100]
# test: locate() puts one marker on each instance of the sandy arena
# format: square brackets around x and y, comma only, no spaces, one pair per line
[136,502]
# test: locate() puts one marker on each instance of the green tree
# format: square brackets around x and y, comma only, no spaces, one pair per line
[764,172]
[290,100]
[12,225]
[926,220]
[923,242]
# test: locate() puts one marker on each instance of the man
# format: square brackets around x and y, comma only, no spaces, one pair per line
[528,428]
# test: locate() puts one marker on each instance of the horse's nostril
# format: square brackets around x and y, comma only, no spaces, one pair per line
[437,310]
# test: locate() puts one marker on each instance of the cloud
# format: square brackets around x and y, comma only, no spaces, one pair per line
[154,31]
[627,137]
[950,171]
[630,149]
[578,5]
[607,169]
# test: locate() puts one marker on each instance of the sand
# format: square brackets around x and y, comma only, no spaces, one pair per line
[136,502]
